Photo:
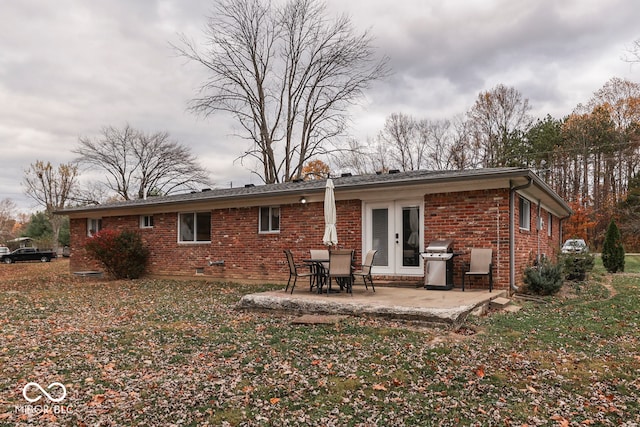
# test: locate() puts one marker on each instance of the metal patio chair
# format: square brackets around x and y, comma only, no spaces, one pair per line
[320,266]
[294,273]
[365,270]
[340,261]
[480,265]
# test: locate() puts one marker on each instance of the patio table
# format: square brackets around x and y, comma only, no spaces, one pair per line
[319,270]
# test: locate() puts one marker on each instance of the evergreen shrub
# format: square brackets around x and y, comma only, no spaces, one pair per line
[612,250]
[544,278]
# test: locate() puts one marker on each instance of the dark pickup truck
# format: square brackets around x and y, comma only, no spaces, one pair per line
[27,254]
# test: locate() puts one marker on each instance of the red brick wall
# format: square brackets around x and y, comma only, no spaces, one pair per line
[480,219]
[477,219]
[530,243]
[235,239]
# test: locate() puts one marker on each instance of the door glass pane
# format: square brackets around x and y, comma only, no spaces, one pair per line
[380,235]
[410,236]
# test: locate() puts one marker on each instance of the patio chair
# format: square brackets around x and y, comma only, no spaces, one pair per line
[480,265]
[294,273]
[319,268]
[340,261]
[365,270]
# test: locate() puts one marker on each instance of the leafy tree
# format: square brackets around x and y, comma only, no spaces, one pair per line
[38,227]
[138,165]
[122,253]
[612,250]
[287,73]
[315,169]
[581,223]
[543,137]
[52,188]
[629,215]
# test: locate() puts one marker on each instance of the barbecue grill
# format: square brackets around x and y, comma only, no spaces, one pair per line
[438,258]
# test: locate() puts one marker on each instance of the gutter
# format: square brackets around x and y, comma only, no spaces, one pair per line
[512,237]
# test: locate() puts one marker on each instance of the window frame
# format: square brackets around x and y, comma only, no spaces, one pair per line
[195,231]
[90,226]
[146,221]
[549,224]
[270,229]
[524,207]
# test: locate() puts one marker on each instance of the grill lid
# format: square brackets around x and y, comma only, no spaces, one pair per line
[437,256]
[439,246]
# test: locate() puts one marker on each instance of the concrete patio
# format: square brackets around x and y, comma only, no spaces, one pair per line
[418,304]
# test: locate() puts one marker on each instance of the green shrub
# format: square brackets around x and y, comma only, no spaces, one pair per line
[612,250]
[122,253]
[544,278]
[576,266]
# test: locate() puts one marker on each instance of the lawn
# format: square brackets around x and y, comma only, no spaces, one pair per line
[162,352]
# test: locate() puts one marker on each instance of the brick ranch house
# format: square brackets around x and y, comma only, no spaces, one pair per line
[239,234]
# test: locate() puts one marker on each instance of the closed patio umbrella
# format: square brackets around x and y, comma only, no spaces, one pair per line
[330,233]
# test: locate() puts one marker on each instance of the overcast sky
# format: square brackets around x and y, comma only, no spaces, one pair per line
[70,67]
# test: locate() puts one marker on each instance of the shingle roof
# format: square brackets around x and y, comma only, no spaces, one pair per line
[291,188]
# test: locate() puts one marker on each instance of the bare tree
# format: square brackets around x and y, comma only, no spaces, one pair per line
[287,74]
[52,188]
[406,140]
[498,117]
[634,52]
[138,165]
[356,158]
[7,219]
[440,142]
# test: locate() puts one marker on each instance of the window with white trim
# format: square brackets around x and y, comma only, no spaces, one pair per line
[194,227]
[269,219]
[549,226]
[93,226]
[146,221]
[525,214]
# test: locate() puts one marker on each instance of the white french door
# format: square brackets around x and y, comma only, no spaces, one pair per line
[396,230]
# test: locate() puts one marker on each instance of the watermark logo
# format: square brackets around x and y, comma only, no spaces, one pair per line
[44,392]
[55,393]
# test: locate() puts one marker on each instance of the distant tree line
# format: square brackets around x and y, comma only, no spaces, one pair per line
[591,158]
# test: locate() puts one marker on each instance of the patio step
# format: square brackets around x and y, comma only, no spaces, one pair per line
[500,303]
[504,304]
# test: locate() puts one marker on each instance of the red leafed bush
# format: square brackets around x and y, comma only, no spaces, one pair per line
[122,253]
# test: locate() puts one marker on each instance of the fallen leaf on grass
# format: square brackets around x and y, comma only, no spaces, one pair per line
[562,421]
[97,400]
[379,387]
[274,400]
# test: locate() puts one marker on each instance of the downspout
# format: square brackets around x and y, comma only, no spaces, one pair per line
[512,236]
[538,231]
